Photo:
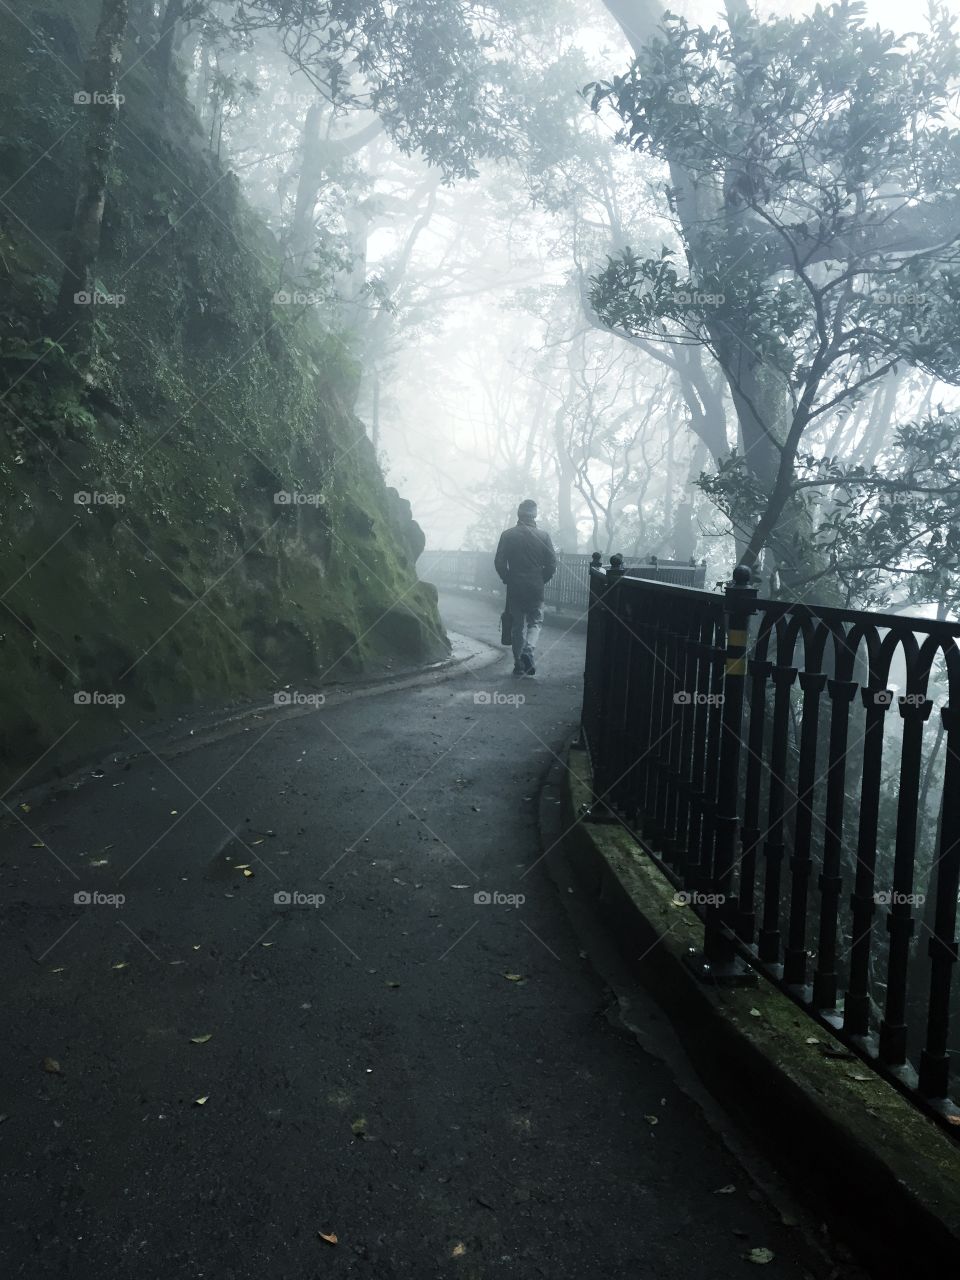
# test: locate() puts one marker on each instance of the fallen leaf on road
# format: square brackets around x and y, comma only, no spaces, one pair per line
[25,808]
[393,984]
[241,866]
[359,1127]
[728,1190]
[100,862]
[201,1039]
[652,1119]
[60,970]
[459,886]
[266,944]
[121,965]
[38,844]
[811,1040]
[755,1013]
[459,1250]
[52,1065]
[198,946]
[513,977]
[330,1239]
[199,1102]
[248,873]
[759,1255]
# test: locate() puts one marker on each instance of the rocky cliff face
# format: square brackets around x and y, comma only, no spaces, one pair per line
[199,516]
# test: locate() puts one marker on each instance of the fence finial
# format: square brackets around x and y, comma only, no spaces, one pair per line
[742,575]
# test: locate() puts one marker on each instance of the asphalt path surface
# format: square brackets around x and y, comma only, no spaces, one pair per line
[204,1081]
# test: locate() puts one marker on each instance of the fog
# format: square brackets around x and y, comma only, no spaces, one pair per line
[481,525]
[462,286]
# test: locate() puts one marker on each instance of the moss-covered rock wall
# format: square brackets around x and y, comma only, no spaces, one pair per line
[199,516]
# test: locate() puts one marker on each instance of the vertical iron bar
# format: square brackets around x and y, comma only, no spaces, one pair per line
[830,883]
[750,835]
[801,864]
[769,941]
[935,1058]
[900,922]
[686,736]
[856,1004]
[719,948]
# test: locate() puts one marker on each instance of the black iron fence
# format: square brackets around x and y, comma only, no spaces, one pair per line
[567,592]
[781,763]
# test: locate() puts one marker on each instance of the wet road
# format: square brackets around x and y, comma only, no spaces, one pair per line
[199,1081]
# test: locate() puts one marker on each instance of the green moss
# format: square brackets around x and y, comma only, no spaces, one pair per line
[205,400]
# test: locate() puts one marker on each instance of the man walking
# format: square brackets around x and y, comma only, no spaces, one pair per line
[525,562]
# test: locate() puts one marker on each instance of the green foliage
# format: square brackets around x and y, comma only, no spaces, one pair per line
[814,163]
[206,399]
[439,73]
[886,530]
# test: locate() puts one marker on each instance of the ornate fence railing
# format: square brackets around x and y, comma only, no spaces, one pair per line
[569,590]
[781,763]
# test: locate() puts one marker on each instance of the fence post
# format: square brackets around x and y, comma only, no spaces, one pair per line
[606,759]
[720,961]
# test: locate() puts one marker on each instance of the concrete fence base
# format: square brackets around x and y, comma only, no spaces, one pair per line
[886,1177]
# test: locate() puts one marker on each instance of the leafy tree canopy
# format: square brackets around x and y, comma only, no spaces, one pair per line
[443,75]
[807,163]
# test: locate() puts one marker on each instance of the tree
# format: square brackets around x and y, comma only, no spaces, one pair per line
[798,153]
[75,312]
[440,74]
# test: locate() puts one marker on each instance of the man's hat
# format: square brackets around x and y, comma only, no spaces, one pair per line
[527,508]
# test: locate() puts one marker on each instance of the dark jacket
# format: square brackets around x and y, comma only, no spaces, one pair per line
[525,561]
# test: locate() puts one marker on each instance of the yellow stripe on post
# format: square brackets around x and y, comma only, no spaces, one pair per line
[735,667]
[737,637]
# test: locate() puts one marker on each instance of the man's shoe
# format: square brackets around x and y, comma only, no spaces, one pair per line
[518,670]
[527,665]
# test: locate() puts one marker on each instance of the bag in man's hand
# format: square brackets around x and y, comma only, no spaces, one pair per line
[506,629]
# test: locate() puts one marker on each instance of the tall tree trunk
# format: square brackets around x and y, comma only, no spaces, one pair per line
[566,477]
[308,188]
[317,155]
[202,98]
[375,416]
[759,391]
[75,305]
[167,42]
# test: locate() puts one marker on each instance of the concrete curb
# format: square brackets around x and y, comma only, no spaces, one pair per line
[886,1177]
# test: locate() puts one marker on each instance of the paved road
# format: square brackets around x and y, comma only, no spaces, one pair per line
[428,1078]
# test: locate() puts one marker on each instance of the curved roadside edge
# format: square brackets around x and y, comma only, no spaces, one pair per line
[633,1012]
[884,1176]
[173,739]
